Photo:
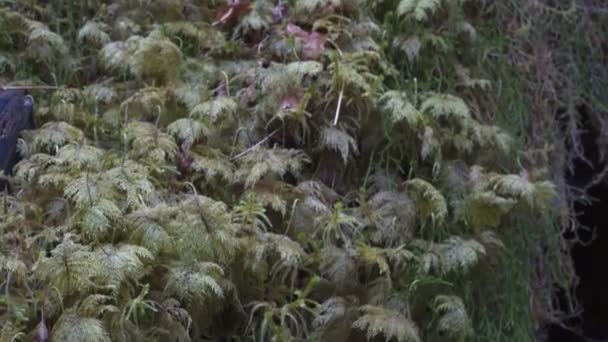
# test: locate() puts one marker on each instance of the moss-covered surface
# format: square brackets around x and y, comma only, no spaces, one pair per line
[332,170]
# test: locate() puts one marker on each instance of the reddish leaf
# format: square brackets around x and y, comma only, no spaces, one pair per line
[231,13]
[279,11]
[296,30]
[313,44]
[42,333]
[185,160]
[290,102]
[329,8]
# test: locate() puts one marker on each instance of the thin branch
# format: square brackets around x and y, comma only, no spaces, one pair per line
[28,87]
[200,208]
[339,106]
[256,145]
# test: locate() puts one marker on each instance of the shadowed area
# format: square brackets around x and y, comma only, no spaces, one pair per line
[589,255]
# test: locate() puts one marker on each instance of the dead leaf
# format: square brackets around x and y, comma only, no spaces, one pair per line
[312,43]
[279,11]
[228,15]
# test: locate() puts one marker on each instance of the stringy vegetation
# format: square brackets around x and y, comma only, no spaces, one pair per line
[268,170]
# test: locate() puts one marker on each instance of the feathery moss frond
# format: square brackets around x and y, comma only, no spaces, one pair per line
[338,140]
[399,108]
[188,131]
[430,202]
[336,226]
[148,227]
[146,104]
[338,265]
[491,240]
[392,214]
[454,321]
[87,189]
[79,157]
[28,170]
[69,269]
[116,56]
[147,141]
[290,252]
[452,254]
[215,110]
[383,257]
[249,213]
[119,263]
[196,283]
[11,332]
[212,163]
[388,323]
[94,33]
[431,146]
[13,266]
[485,209]
[204,230]
[347,76]
[335,317]
[72,327]
[257,20]
[131,182]
[12,22]
[156,58]
[100,93]
[95,305]
[44,44]
[410,45]
[492,137]
[536,195]
[96,219]
[446,106]
[53,135]
[263,161]
[275,194]
[202,36]
[300,70]
[308,7]
[421,10]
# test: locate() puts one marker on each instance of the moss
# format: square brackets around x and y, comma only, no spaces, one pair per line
[340,168]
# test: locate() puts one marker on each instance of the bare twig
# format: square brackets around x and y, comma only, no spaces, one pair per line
[256,145]
[28,87]
[200,208]
[339,106]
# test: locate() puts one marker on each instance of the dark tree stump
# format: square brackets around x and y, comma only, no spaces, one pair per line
[16,115]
